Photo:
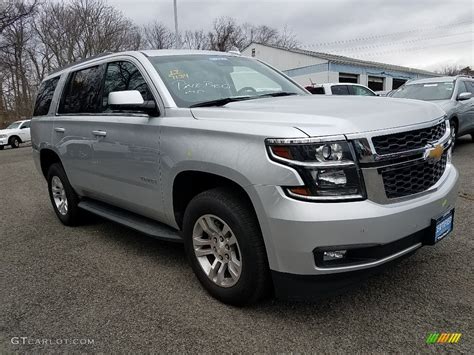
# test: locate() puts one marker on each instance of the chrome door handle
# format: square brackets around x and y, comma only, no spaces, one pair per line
[99,133]
[59,129]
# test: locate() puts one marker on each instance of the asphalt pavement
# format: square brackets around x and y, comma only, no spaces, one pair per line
[103,288]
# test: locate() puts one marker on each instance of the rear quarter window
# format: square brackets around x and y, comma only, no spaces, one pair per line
[45,96]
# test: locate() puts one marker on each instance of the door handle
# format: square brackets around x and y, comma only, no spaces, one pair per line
[59,129]
[99,133]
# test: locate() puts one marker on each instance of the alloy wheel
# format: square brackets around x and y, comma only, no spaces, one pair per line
[59,195]
[217,250]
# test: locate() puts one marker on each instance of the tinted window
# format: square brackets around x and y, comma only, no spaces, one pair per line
[315,90]
[25,125]
[122,76]
[44,97]
[361,91]
[340,90]
[462,87]
[470,86]
[82,92]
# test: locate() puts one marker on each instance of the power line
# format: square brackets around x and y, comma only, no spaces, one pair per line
[376,37]
[409,49]
[399,42]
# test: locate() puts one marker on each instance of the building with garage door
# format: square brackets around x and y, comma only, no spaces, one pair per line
[307,67]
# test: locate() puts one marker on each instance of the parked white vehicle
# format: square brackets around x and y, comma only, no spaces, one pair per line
[340,89]
[16,133]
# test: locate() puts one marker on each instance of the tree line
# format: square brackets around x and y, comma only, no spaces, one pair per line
[37,38]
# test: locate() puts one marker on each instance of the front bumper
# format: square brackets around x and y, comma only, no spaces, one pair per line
[293,229]
[3,141]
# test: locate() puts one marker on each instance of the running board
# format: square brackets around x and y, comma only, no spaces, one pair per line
[131,220]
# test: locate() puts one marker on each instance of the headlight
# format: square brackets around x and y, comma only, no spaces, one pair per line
[3,136]
[328,168]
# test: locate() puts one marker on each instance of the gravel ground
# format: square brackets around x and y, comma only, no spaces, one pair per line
[122,291]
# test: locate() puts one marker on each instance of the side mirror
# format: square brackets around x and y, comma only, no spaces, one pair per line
[131,100]
[464,96]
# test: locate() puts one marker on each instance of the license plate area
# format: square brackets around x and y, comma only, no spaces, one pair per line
[442,226]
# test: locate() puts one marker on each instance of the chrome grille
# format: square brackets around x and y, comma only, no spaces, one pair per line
[404,141]
[412,178]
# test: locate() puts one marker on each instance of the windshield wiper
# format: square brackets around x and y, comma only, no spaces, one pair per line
[221,102]
[278,93]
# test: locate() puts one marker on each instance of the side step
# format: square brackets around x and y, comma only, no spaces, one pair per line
[131,220]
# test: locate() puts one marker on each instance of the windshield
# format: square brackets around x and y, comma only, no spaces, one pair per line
[14,125]
[426,91]
[196,79]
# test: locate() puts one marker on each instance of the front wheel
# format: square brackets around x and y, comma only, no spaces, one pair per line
[224,245]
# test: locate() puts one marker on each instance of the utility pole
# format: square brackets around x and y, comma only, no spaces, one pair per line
[176,34]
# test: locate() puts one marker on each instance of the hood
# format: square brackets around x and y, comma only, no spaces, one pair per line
[326,115]
[444,104]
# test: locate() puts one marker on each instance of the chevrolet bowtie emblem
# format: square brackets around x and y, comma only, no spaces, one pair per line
[434,153]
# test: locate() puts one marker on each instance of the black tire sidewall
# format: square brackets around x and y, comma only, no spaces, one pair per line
[72,216]
[251,284]
[14,142]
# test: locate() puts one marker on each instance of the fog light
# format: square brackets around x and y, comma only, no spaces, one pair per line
[334,255]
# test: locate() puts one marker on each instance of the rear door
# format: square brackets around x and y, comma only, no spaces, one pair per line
[72,134]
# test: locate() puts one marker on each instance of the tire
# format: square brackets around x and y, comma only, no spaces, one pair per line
[59,190]
[472,137]
[223,207]
[14,142]
[454,131]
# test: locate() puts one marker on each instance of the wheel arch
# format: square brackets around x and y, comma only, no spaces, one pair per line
[48,157]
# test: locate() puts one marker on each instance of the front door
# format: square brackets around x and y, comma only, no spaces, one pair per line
[126,157]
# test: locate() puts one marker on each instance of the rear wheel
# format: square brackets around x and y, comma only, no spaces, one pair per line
[14,142]
[224,245]
[63,197]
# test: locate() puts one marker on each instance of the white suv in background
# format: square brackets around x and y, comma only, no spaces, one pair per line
[16,133]
[340,89]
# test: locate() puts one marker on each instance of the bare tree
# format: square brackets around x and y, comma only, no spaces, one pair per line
[226,34]
[195,40]
[84,28]
[450,70]
[158,36]
[12,11]
[268,35]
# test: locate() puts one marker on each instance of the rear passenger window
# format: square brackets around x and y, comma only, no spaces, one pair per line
[122,76]
[82,91]
[45,96]
[340,90]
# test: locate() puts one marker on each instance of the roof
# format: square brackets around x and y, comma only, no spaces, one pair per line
[148,53]
[347,60]
[438,79]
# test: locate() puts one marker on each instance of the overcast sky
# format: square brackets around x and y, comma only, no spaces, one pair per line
[425,34]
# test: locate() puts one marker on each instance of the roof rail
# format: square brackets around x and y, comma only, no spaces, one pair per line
[80,61]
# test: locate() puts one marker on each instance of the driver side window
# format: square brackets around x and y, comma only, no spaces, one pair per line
[122,76]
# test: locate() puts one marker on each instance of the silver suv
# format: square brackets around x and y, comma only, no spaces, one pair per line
[454,94]
[270,188]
